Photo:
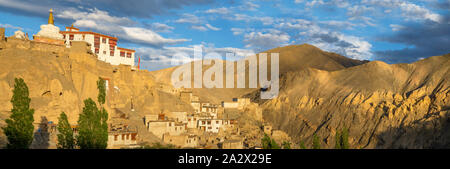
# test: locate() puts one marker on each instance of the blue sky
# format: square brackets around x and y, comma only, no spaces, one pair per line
[394,31]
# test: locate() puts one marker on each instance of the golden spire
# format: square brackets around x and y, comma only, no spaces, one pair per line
[50,17]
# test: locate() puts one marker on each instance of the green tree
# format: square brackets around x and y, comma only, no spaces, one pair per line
[302,145]
[338,140]
[286,145]
[65,135]
[316,142]
[19,129]
[93,127]
[269,143]
[342,139]
[101,86]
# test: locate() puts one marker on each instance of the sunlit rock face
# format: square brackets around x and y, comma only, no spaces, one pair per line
[50,31]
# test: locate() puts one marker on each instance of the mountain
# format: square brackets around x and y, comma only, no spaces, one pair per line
[382,105]
[291,58]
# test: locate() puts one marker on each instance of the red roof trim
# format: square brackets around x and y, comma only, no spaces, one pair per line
[93,33]
[129,50]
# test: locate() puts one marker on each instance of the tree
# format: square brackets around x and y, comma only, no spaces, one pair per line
[269,143]
[19,129]
[286,145]
[342,139]
[65,135]
[93,127]
[101,86]
[316,142]
[338,141]
[302,145]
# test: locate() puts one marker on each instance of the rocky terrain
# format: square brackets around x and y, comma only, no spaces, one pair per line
[60,78]
[382,105]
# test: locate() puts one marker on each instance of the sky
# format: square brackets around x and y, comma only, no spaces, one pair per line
[393,31]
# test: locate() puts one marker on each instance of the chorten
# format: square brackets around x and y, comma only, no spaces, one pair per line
[49,33]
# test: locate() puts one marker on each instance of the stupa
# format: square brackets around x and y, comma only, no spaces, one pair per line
[49,33]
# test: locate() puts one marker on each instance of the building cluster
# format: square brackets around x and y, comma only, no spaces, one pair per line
[205,127]
[104,46]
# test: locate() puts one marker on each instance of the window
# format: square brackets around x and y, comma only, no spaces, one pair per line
[122,54]
[104,52]
[128,55]
[103,40]
[71,37]
[115,137]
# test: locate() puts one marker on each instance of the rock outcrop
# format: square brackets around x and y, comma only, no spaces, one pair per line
[60,78]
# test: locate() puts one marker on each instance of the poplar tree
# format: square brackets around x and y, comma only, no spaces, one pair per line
[316,142]
[101,86]
[19,129]
[65,135]
[342,139]
[338,140]
[93,126]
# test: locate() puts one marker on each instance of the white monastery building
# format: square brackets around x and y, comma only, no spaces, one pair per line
[104,46]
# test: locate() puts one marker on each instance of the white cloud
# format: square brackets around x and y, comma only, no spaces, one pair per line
[159,58]
[338,3]
[212,27]
[410,11]
[237,31]
[266,40]
[160,27]
[311,32]
[118,26]
[147,36]
[265,20]
[189,18]
[222,11]
[396,27]
[199,28]
[415,12]
[249,6]
[8,26]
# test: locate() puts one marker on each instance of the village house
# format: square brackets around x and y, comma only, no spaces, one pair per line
[236,103]
[196,105]
[182,140]
[232,144]
[193,119]
[177,116]
[209,125]
[163,125]
[121,135]
[119,139]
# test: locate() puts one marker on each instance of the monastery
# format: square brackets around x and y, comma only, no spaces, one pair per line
[104,46]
